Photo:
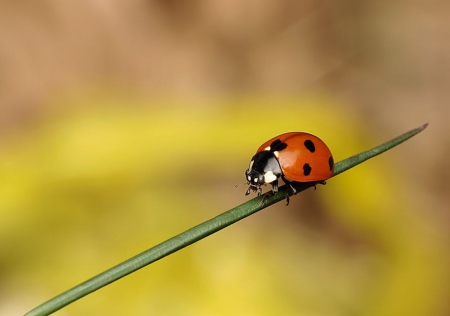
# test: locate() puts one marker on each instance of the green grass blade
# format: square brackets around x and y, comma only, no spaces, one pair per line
[352,161]
[198,232]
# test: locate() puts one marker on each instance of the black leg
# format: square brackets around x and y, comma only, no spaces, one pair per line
[290,190]
[287,198]
[323,182]
[275,186]
[259,191]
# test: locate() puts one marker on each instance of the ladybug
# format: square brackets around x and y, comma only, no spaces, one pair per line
[293,157]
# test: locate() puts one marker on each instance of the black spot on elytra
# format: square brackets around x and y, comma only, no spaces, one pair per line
[331,162]
[307,169]
[277,145]
[310,145]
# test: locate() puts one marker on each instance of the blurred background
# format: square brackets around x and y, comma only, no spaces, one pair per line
[123,123]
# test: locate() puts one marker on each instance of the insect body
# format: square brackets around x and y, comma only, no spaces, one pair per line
[293,157]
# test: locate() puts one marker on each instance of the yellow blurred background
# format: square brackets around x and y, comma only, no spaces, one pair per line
[124,123]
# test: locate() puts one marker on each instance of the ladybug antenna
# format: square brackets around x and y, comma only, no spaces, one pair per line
[238,185]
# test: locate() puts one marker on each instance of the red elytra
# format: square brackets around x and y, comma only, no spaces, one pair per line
[303,148]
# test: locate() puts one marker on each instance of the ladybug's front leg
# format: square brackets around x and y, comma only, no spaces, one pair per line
[259,191]
[274,191]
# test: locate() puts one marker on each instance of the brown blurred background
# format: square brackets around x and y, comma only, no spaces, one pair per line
[124,123]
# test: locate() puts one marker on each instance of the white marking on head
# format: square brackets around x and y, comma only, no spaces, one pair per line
[267,148]
[255,180]
[249,178]
[269,177]
[276,154]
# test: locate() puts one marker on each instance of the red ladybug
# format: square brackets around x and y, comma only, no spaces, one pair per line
[293,157]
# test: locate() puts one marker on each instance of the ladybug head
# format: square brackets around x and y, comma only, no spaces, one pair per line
[264,168]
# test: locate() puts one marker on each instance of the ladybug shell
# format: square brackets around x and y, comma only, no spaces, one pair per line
[306,158]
